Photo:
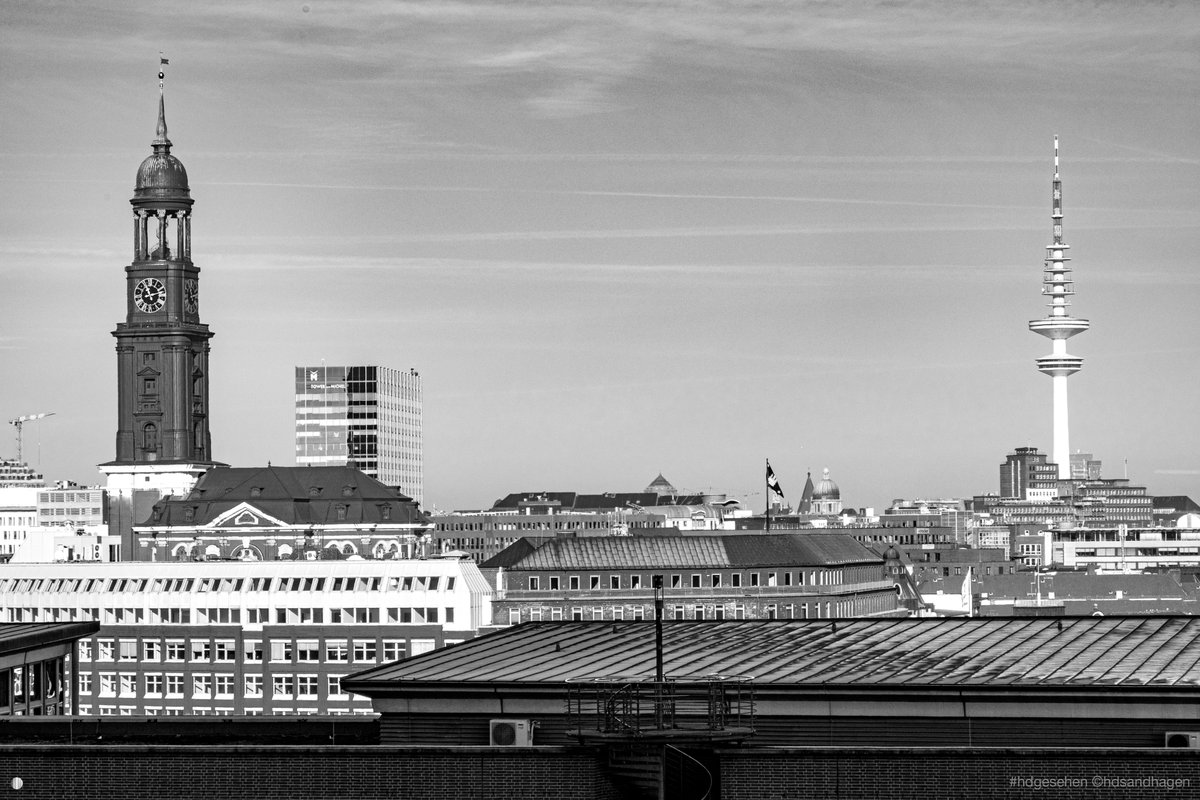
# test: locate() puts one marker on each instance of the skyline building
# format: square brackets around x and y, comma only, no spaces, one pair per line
[163,442]
[365,416]
[1059,325]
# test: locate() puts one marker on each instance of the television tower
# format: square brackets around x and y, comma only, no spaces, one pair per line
[1058,326]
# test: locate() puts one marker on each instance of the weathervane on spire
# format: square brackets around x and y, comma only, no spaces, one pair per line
[162,62]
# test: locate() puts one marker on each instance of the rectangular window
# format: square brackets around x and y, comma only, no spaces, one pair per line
[223,685]
[614,581]
[393,649]
[175,685]
[254,685]
[364,650]
[695,581]
[556,614]
[152,650]
[202,686]
[154,684]
[594,582]
[128,684]
[225,650]
[534,583]
[282,686]
[175,650]
[253,650]
[308,650]
[554,583]
[306,686]
[736,579]
[108,684]
[676,581]
[635,581]
[85,683]
[201,650]
[281,650]
[574,582]
[335,650]
[335,686]
[754,579]
[127,650]
[104,650]
[715,579]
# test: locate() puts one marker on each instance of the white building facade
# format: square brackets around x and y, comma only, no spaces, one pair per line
[245,638]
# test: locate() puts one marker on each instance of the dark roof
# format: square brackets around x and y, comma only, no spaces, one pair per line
[1154,653]
[515,552]
[572,501]
[698,552]
[16,637]
[1082,585]
[293,495]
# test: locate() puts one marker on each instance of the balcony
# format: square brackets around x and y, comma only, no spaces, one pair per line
[693,708]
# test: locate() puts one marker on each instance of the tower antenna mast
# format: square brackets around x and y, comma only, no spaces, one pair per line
[1058,325]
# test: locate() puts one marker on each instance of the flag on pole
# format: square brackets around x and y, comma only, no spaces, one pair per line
[162,60]
[772,481]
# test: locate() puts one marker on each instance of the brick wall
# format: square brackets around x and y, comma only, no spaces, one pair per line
[950,774]
[63,772]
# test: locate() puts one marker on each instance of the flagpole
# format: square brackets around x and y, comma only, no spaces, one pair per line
[767,493]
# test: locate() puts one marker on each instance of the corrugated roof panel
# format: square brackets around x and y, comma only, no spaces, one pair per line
[959,652]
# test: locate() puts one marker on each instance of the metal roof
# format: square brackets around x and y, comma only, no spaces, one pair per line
[698,552]
[1085,652]
[16,637]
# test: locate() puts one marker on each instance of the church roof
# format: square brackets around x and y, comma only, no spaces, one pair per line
[291,495]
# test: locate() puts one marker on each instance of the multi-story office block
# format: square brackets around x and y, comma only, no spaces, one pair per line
[233,638]
[366,416]
[737,576]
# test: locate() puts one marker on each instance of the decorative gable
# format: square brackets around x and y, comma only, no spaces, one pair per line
[245,515]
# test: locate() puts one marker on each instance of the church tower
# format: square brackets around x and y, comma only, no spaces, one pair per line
[163,441]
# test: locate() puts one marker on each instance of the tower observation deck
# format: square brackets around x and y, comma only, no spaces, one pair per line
[1059,325]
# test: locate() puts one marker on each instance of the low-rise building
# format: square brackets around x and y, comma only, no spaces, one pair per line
[734,576]
[244,637]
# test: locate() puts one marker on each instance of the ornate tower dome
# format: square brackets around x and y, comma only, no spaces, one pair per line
[826,496]
[161,176]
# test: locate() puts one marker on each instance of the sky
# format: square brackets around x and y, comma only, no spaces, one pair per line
[625,238]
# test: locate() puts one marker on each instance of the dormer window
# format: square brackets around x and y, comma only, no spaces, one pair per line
[347,491]
[314,491]
[255,491]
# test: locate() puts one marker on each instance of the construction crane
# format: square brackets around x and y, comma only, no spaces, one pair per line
[19,421]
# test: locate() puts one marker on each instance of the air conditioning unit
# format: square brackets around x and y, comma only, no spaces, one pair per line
[510,733]
[1183,740]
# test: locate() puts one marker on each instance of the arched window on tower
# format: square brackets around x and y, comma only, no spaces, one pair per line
[150,437]
[198,439]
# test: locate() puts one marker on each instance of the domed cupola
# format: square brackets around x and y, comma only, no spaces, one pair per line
[162,182]
[826,489]
[826,496]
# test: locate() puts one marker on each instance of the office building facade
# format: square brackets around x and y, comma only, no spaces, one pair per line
[368,416]
[244,638]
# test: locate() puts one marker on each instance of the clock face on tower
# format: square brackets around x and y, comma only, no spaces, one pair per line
[191,296]
[150,295]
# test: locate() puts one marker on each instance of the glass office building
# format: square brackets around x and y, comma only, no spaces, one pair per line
[369,415]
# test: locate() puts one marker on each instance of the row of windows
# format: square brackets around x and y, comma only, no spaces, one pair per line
[408,583]
[233,616]
[865,604]
[226,650]
[205,711]
[697,580]
[205,686]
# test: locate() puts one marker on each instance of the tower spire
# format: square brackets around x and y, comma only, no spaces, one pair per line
[160,130]
[1058,325]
